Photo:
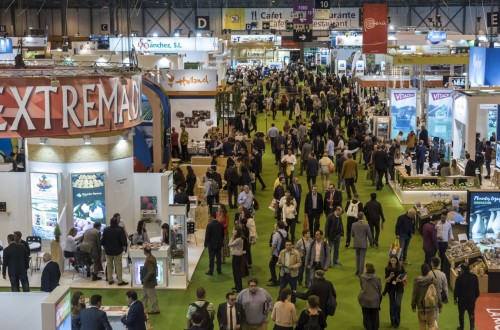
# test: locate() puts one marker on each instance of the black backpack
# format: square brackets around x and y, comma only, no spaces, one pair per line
[283,242]
[312,322]
[207,322]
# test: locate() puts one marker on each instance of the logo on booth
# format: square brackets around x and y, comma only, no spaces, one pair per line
[371,23]
[402,96]
[435,37]
[440,96]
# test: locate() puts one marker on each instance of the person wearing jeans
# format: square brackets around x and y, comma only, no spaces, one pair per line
[289,262]
[405,228]
[334,230]
[278,236]
[394,275]
[303,246]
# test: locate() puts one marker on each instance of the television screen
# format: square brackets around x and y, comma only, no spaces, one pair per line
[139,264]
[483,214]
[63,311]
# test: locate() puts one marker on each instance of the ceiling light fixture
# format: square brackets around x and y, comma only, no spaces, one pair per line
[54,82]
[87,140]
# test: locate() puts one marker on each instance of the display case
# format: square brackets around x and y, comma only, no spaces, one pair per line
[382,127]
[178,271]
[428,188]
[162,255]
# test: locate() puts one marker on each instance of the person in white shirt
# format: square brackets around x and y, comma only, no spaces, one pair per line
[330,148]
[445,234]
[289,161]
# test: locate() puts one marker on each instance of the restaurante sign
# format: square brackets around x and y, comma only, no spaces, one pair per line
[38,107]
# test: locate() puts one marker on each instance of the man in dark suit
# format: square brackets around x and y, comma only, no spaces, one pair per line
[230,314]
[114,241]
[296,190]
[320,287]
[311,170]
[214,237]
[50,275]
[92,318]
[333,198]
[16,261]
[134,320]
[381,163]
[313,208]
[183,199]
[318,147]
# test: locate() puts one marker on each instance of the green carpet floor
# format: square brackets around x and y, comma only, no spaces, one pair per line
[174,304]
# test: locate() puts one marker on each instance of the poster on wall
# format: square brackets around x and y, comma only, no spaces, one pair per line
[403,111]
[375,28]
[149,203]
[44,204]
[484,219]
[198,120]
[89,204]
[439,114]
[492,120]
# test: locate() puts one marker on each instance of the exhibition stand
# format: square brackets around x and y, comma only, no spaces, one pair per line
[162,255]
[428,188]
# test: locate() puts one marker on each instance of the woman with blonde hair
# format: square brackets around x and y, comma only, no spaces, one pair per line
[284,314]
[325,164]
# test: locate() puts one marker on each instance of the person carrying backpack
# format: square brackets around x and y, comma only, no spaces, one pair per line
[426,299]
[278,242]
[204,308]
[312,318]
[353,207]
[211,190]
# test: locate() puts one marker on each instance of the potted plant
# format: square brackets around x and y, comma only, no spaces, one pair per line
[57,232]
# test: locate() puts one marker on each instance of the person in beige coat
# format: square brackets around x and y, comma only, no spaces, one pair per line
[289,262]
[349,173]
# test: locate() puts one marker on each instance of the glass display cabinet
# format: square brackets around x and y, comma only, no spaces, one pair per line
[178,272]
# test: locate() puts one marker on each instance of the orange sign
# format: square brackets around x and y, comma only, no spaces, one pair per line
[38,107]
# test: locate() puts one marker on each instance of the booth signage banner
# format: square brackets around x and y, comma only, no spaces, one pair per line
[189,81]
[439,114]
[32,107]
[44,204]
[403,111]
[5,46]
[351,40]
[89,203]
[30,42]
[480,59]
[375,28]
[342,65]
[435,37]
[482,205]
[238,18]
[164,44]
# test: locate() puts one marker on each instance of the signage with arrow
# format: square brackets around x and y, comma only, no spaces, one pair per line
[302,33]
[289,26]
[266,25]
[303,13]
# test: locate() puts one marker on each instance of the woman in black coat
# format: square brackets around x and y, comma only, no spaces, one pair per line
[394,275]
[190,181]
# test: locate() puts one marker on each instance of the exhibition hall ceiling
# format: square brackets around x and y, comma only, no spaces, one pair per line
[104,4]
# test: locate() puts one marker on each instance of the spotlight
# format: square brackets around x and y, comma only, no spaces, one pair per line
[43,141]
[54,82]
[177,32]
[123,81]
[198,34]
[86,140]
[155,35]
[124,136]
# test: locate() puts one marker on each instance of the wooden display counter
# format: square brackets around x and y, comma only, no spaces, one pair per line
[428,188]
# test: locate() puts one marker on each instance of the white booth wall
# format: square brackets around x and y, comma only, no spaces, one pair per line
[186,106]
[15,192]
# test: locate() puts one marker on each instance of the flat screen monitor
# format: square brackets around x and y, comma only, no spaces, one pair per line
[483,214]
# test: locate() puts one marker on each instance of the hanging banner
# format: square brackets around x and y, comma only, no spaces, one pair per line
[189,82]
[439,114]
[375,28]
[403,111]
[44,204]
[44,107]
[89,203]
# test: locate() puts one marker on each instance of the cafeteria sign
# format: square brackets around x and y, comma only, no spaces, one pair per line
[36,107]
[435,37]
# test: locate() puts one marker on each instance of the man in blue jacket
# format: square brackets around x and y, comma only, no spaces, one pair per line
[134,320]
[405,228]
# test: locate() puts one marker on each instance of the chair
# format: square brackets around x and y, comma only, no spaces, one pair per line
[82,260]
[191,231]
[462,238]
[33,241]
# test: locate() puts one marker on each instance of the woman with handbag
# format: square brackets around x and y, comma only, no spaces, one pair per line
[370,297]
[395,280]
